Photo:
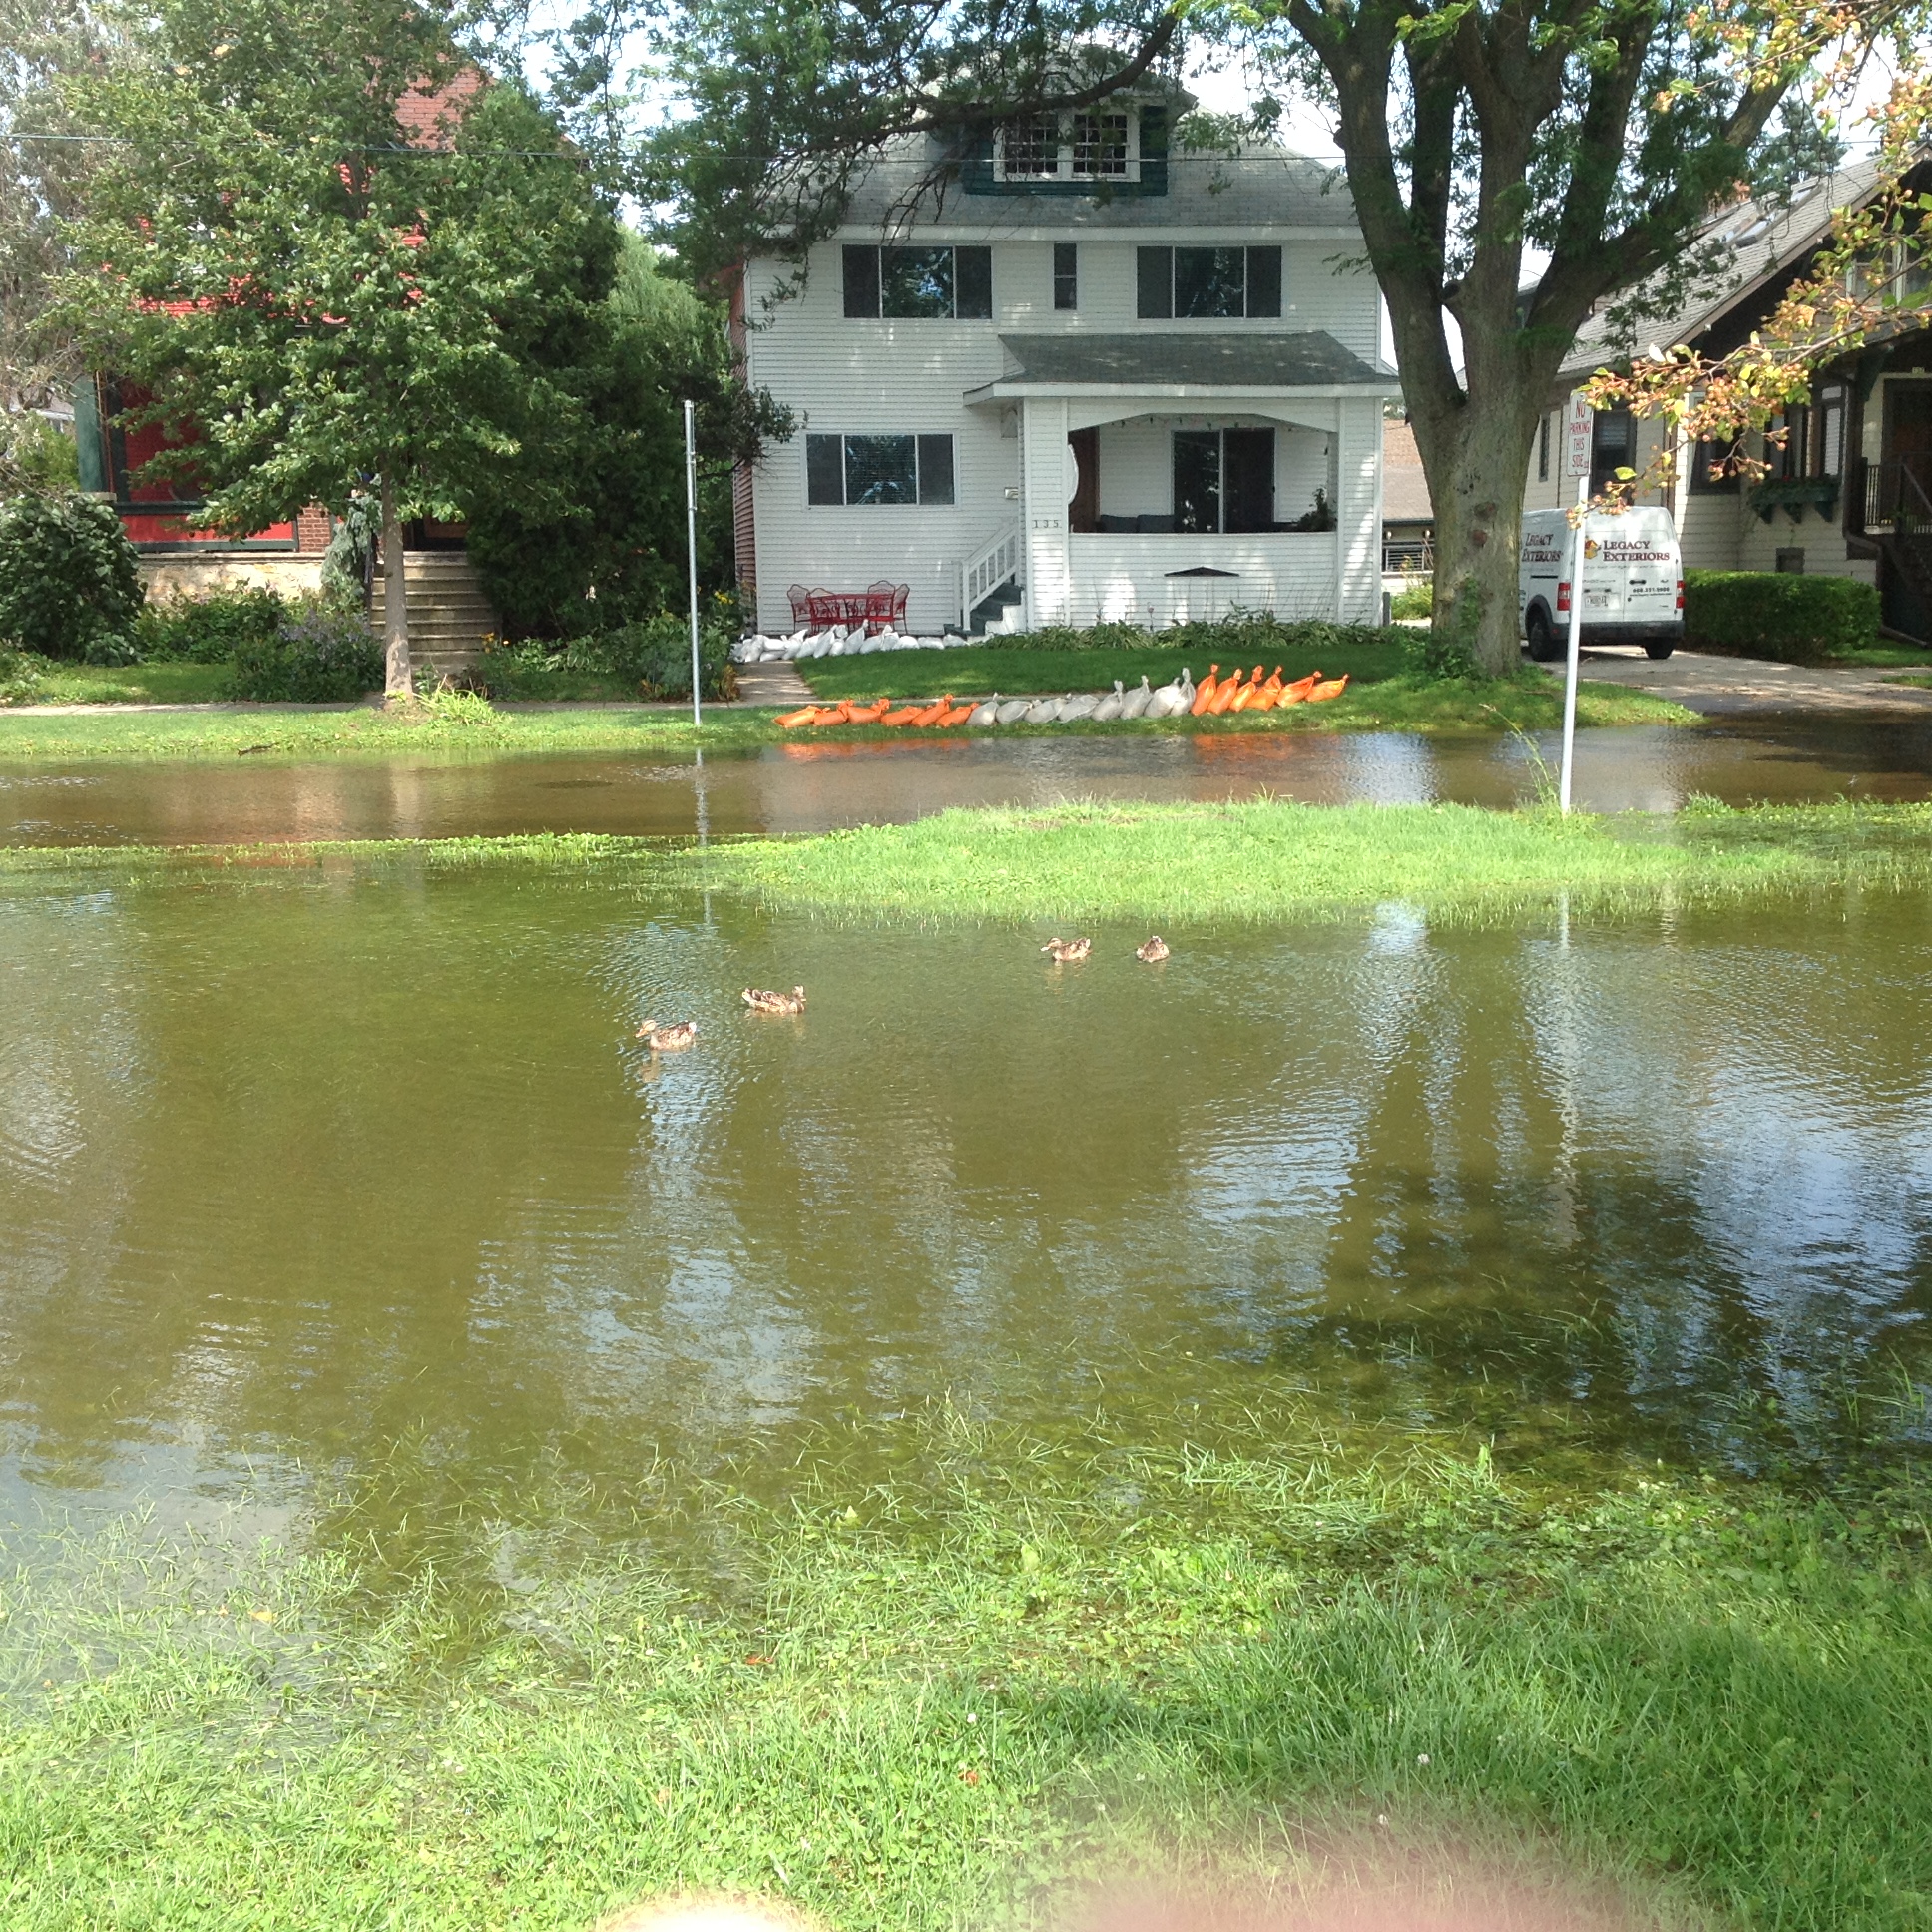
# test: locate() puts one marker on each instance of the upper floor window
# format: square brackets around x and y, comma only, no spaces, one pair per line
[1195,284]
[941,284]
[1066,275]
[1091,145]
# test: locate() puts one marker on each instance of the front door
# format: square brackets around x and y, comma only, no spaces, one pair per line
[1083,507]
[1908,441]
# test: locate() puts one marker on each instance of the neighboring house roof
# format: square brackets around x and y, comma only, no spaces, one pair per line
[1405,490]
[1765,242]
[1269,188]
[1182,359]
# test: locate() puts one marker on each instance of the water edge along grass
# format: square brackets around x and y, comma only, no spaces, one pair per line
[911,1703]
[1530,701]
[1267,859]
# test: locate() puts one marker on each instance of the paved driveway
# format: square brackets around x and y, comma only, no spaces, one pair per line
[1740,686]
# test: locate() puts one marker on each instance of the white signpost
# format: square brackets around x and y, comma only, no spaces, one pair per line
[1579,426]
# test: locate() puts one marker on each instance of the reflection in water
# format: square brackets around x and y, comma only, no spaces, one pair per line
[299,1165]
[817,786]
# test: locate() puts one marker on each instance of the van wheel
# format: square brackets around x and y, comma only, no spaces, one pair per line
[1658,650]
[1544,646]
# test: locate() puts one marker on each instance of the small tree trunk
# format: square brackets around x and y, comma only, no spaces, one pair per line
[396,673]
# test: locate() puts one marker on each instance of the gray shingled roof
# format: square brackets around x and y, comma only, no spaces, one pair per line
[1267,188]
[1223,360]
[1768,242]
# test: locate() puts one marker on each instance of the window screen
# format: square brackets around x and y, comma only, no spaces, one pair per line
[919,284]
[973,282]
[871,470]
[1208,285]
[1066,275]
[1101,146]
[825,469]
[861,282]
[1197,479]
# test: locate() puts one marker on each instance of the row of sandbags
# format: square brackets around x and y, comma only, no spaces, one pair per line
[835,643]
[1171,700]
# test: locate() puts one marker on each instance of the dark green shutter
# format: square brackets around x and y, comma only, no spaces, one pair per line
[825,469]
[862,281]
[1264,281]
[937,467]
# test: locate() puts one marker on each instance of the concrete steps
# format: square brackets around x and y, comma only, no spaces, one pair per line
[449,617]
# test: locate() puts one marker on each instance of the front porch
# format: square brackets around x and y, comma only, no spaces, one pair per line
[1170,478]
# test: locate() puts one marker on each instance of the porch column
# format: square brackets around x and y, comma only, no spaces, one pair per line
[1358,510]
[1043,510]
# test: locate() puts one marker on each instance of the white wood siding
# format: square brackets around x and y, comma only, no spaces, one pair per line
[858,376]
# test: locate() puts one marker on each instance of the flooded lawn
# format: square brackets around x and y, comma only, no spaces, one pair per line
[315,1170]
[815,787]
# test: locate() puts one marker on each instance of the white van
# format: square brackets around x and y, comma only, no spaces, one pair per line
[1633,581]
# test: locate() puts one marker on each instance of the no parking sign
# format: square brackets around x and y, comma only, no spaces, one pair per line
[1579,424]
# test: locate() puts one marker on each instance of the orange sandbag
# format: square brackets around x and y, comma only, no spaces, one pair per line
[957,716]
[833,714]
[1332,688]
[792,720]
[934,712]
[1225,694]
[905,715]
[1271,693]
[869,713]
[1297,693]
[1245,697]
[1204,692]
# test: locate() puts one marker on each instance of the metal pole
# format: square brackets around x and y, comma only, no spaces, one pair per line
[690,546]
[1575,643]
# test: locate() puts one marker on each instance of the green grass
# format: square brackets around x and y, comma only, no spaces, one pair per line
[1270,860]
[1882,654]
[143,684]
[1529,701]
[911,1703]
[1920,684]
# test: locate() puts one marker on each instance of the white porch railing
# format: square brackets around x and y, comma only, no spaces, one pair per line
[984,572]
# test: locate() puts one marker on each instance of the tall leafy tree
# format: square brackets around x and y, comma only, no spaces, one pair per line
[341,260]
[1515,164]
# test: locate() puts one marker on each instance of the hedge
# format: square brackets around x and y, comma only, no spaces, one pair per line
[1783,614]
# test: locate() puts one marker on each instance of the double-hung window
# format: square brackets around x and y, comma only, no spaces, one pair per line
[871,470]
[1093,144]
[1203,284]
[1066,275]
[915,285]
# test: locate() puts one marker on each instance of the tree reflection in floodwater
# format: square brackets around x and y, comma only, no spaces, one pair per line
[300,1163]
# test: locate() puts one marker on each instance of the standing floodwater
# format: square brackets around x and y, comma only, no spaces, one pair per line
[302,1162]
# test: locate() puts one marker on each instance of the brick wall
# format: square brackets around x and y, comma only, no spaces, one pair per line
[314,528]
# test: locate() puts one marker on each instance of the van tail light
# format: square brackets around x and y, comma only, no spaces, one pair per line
[1562,595]
[1680,593]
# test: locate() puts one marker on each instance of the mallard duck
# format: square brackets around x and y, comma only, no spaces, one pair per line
[760,1001]
[1153,952]
[1065,952]
[667,1039]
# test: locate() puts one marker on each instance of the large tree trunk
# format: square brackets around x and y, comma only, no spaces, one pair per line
[397,680]
[1476,457]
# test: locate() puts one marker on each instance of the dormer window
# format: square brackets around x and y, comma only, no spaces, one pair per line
[1088,144]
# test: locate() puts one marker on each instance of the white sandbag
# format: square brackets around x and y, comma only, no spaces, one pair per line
[1135,704]
[986,713]
[1013,711]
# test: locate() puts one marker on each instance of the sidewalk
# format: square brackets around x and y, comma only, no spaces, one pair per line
[1741,686]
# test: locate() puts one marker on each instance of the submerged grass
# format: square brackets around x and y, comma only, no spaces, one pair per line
[920,1699]
[1272,860]
[1529,701]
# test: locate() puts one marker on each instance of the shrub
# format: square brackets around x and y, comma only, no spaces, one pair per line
[69,584]
[1419,600]
[19,676]
[210,628]
[315,656]
[1778,614]
[654,655]
[1240,633]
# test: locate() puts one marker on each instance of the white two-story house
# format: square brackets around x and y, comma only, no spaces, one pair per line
[1089,380]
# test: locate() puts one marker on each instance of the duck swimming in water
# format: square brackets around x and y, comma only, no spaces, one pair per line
[1068,952]
[1153,952]
[759,1001]
[667,1039]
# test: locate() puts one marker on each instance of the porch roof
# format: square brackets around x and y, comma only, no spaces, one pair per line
[1174,363]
